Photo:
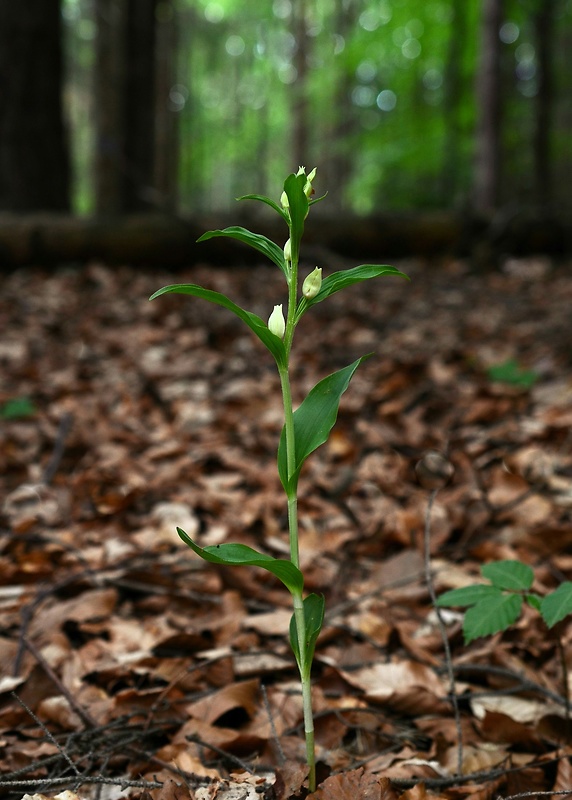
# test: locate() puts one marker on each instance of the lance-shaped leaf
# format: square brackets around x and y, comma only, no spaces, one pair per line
[557,605]
[256,240]
[298,206]
[268,201]
[233,554]
[313,621]
[313,421]
[257,325]
[347,277]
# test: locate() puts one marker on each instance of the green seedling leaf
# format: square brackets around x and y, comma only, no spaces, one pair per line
[557,605]
[298,207]
[493,614]
[233,554]
[269,202]
[313,421]
[510,372]
[509,575]
[255,240]
[467,595]
[17,408]
[314,618]
[257,325]
[347,277]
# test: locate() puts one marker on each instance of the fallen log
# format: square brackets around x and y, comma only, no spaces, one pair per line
[161,240]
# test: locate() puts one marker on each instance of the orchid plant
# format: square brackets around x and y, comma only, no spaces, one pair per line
[305,428]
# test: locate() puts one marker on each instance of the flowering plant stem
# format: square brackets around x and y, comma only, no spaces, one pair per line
[305,428]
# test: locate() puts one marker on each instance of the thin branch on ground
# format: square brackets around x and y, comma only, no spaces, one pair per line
[443,630]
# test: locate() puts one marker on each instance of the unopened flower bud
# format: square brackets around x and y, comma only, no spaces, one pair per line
[312,284]
[308,188]
[284,202]
[276,323]
[288,250]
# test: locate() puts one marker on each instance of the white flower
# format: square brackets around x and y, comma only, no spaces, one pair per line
[288,250]
[276,323]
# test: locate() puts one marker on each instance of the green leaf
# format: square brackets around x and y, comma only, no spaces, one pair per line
[467,595]
[17,408]
[510,372]
[491,615]
[314,618]
[257,325]
[557,605]
[534,601]
[347,277]
[269,202]
[298,206]
[509,575]
[255,240]
[313,421]
[233,554]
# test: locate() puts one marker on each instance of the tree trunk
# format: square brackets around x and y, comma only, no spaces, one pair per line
[125,106]
[109,71]
[139,105]
[167,109]
[454,93]
[34,158]
[544,30]
[488,92]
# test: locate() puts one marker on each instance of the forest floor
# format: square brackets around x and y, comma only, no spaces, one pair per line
[128,667]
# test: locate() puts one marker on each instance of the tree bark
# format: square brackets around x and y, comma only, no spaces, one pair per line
[488,92]
[125,106]
[544,31]
[139,105]
[34,158]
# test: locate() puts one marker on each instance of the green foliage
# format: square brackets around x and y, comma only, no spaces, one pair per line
[314,605]
[348,277]
[496,606]
[17,408]
[557,605]
[313,421]
[304,429]
[258,326]
[233,554]
[511,373]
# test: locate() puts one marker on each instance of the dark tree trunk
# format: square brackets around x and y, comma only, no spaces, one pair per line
[488,91]
[139,105]
[167,112]
[109,166]
[544,30]
[34,159]
[125,106]
[454,92]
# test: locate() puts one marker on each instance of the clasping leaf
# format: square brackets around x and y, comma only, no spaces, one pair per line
[233,554]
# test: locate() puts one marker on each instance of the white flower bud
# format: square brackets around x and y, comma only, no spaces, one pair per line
[312,284]
[284,202]
[276,323]
[288,250]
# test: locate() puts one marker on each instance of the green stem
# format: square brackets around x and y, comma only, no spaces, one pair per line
[299,617]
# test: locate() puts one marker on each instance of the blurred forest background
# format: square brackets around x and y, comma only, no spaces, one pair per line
[118,106]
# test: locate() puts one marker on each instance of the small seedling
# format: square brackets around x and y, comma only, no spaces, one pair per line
[305,428]
[511,373]
[495,606]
